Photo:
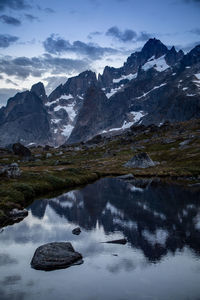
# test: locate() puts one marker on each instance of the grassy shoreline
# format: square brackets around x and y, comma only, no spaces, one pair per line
[174,147]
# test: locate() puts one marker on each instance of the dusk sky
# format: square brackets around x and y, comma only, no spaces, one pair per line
[51,40]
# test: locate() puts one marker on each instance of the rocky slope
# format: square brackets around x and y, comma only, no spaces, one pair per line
[154,85]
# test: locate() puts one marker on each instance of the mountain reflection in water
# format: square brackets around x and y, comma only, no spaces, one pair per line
[153,216]
[161,260]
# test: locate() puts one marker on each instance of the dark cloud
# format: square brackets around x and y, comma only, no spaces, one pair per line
[56,45]
[95,33]
[48,10]
[12,82]
[31,17]
[10,20]
[195,31]
[6,40]
[22,67]
[128,35]
[144,36]
[14,4]
[124,36]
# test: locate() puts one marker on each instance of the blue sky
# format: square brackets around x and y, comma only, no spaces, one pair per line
[52,40]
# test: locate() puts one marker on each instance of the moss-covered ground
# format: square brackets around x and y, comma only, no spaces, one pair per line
[175,148]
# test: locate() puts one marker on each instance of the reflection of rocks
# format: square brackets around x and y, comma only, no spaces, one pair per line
[55,256]
[120,242]
[153,216]
[5,259]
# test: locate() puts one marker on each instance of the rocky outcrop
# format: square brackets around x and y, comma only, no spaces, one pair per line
[141,160]
[55,256]
[92,117]
[10,171]
[24,119]
[21,151]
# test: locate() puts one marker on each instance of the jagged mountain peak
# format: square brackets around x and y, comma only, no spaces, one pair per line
[154,47]
[39,90]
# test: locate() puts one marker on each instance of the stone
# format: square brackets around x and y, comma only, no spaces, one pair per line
[54,256]
[120,241]
[76,231]
[18,214]
[11,171]
[140,160]
[21,151]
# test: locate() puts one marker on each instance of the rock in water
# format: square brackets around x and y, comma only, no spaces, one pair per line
[54,256]
[76,231]
[140,160]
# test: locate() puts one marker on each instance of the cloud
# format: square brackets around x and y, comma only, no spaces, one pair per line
[31,17]
[14,4]
[53,82]
[10,20]
[48,10]
[124,36]
[12,82]
[95,33]
[128,35]
[6,40]
[23,67]
[195,31]
[57,45]
[5,94]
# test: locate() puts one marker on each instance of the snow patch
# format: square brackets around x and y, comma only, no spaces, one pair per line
[113,91]
[129,77]
[159,237]
[159,64]
[67,130]
[197,76]
[69,109]
[155,88]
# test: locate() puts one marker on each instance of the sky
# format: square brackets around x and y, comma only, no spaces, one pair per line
[52,40]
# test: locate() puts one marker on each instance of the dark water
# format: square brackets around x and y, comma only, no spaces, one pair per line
[161,260]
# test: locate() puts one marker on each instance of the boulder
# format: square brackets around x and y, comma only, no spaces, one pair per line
[140,160]
[54,256]
[76,231]
[21,151]
[10,171]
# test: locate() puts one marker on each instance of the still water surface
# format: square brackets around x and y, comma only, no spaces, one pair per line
[160,261]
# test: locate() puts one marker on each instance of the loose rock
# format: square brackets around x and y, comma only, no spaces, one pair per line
[140,160]
[76,231]
[54,256]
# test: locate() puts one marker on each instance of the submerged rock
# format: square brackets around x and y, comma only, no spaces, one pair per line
[140,160]
[76,231]
[120,241]
[54,256]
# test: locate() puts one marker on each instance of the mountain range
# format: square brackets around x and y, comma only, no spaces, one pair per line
[154,85]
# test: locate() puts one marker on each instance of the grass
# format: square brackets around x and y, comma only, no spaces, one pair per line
[75,168]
